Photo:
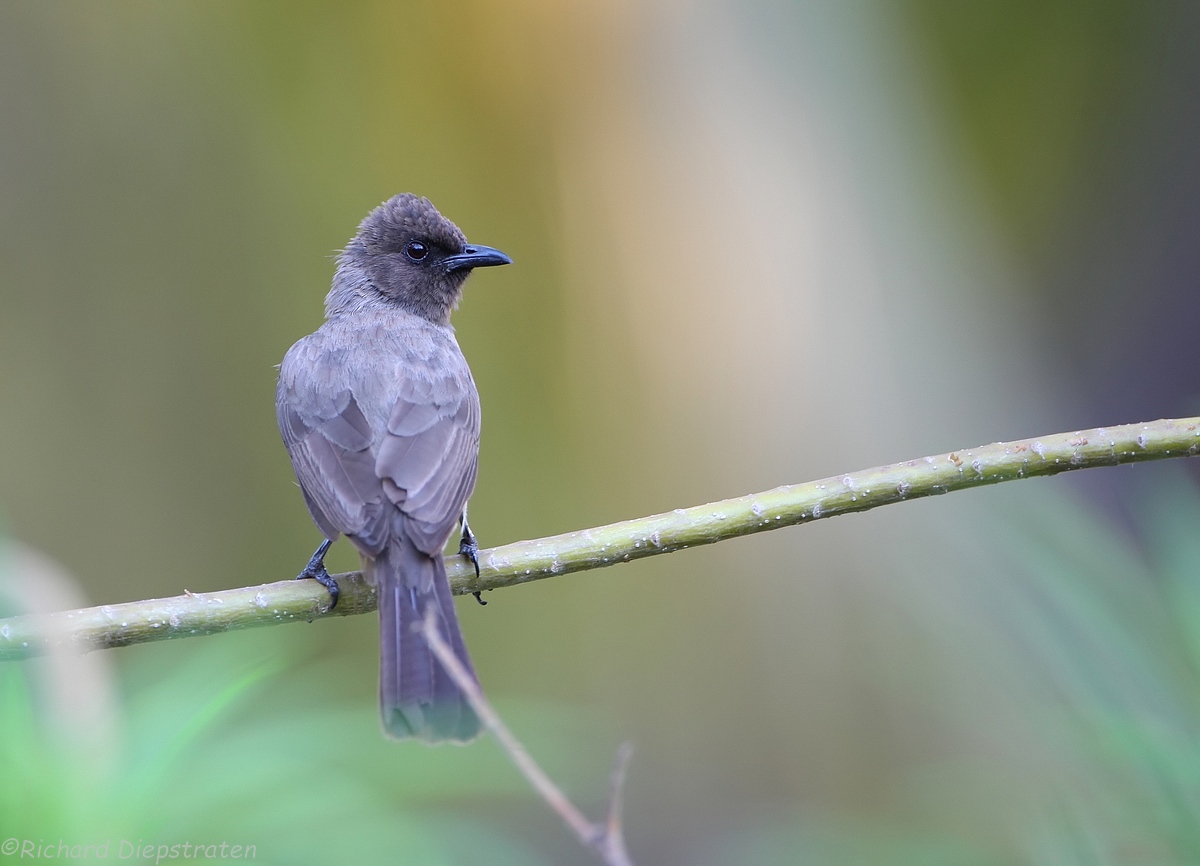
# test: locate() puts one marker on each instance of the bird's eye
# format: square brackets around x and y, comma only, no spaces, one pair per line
[416,250]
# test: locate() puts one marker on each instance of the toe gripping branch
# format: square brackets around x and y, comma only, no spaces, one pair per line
[469,548]
[317,571]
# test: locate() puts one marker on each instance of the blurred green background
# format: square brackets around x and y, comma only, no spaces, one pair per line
[755,243]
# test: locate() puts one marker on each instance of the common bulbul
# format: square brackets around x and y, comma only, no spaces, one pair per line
[380,416]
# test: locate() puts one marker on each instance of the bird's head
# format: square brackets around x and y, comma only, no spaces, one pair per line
[406,254]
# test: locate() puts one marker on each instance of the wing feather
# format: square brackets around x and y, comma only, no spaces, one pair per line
[432,464]
[414,476]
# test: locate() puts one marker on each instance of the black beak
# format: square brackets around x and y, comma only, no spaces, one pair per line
[475,256]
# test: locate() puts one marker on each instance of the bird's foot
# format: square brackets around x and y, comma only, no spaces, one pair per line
[317,571]
[469,548]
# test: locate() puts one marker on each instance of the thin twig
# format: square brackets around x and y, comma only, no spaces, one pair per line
[605,840]
[289,601]
[614,834]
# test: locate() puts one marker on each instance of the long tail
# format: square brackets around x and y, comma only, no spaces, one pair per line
[417,698]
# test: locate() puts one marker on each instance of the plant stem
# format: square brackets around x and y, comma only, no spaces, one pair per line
[290,601]
[605,840]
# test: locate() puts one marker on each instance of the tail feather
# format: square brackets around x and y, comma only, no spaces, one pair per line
[417,698]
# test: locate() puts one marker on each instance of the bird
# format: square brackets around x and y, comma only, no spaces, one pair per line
[380,416]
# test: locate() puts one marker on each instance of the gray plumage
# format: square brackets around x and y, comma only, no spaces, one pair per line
[380,416]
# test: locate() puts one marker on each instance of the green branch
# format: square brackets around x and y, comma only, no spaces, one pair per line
[293,600]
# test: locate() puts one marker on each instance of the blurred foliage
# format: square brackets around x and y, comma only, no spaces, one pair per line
[1116,636]
[223,741]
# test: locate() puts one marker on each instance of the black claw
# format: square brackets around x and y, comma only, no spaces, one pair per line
[317,571]
[471,552]
[323,577]
[469,548]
